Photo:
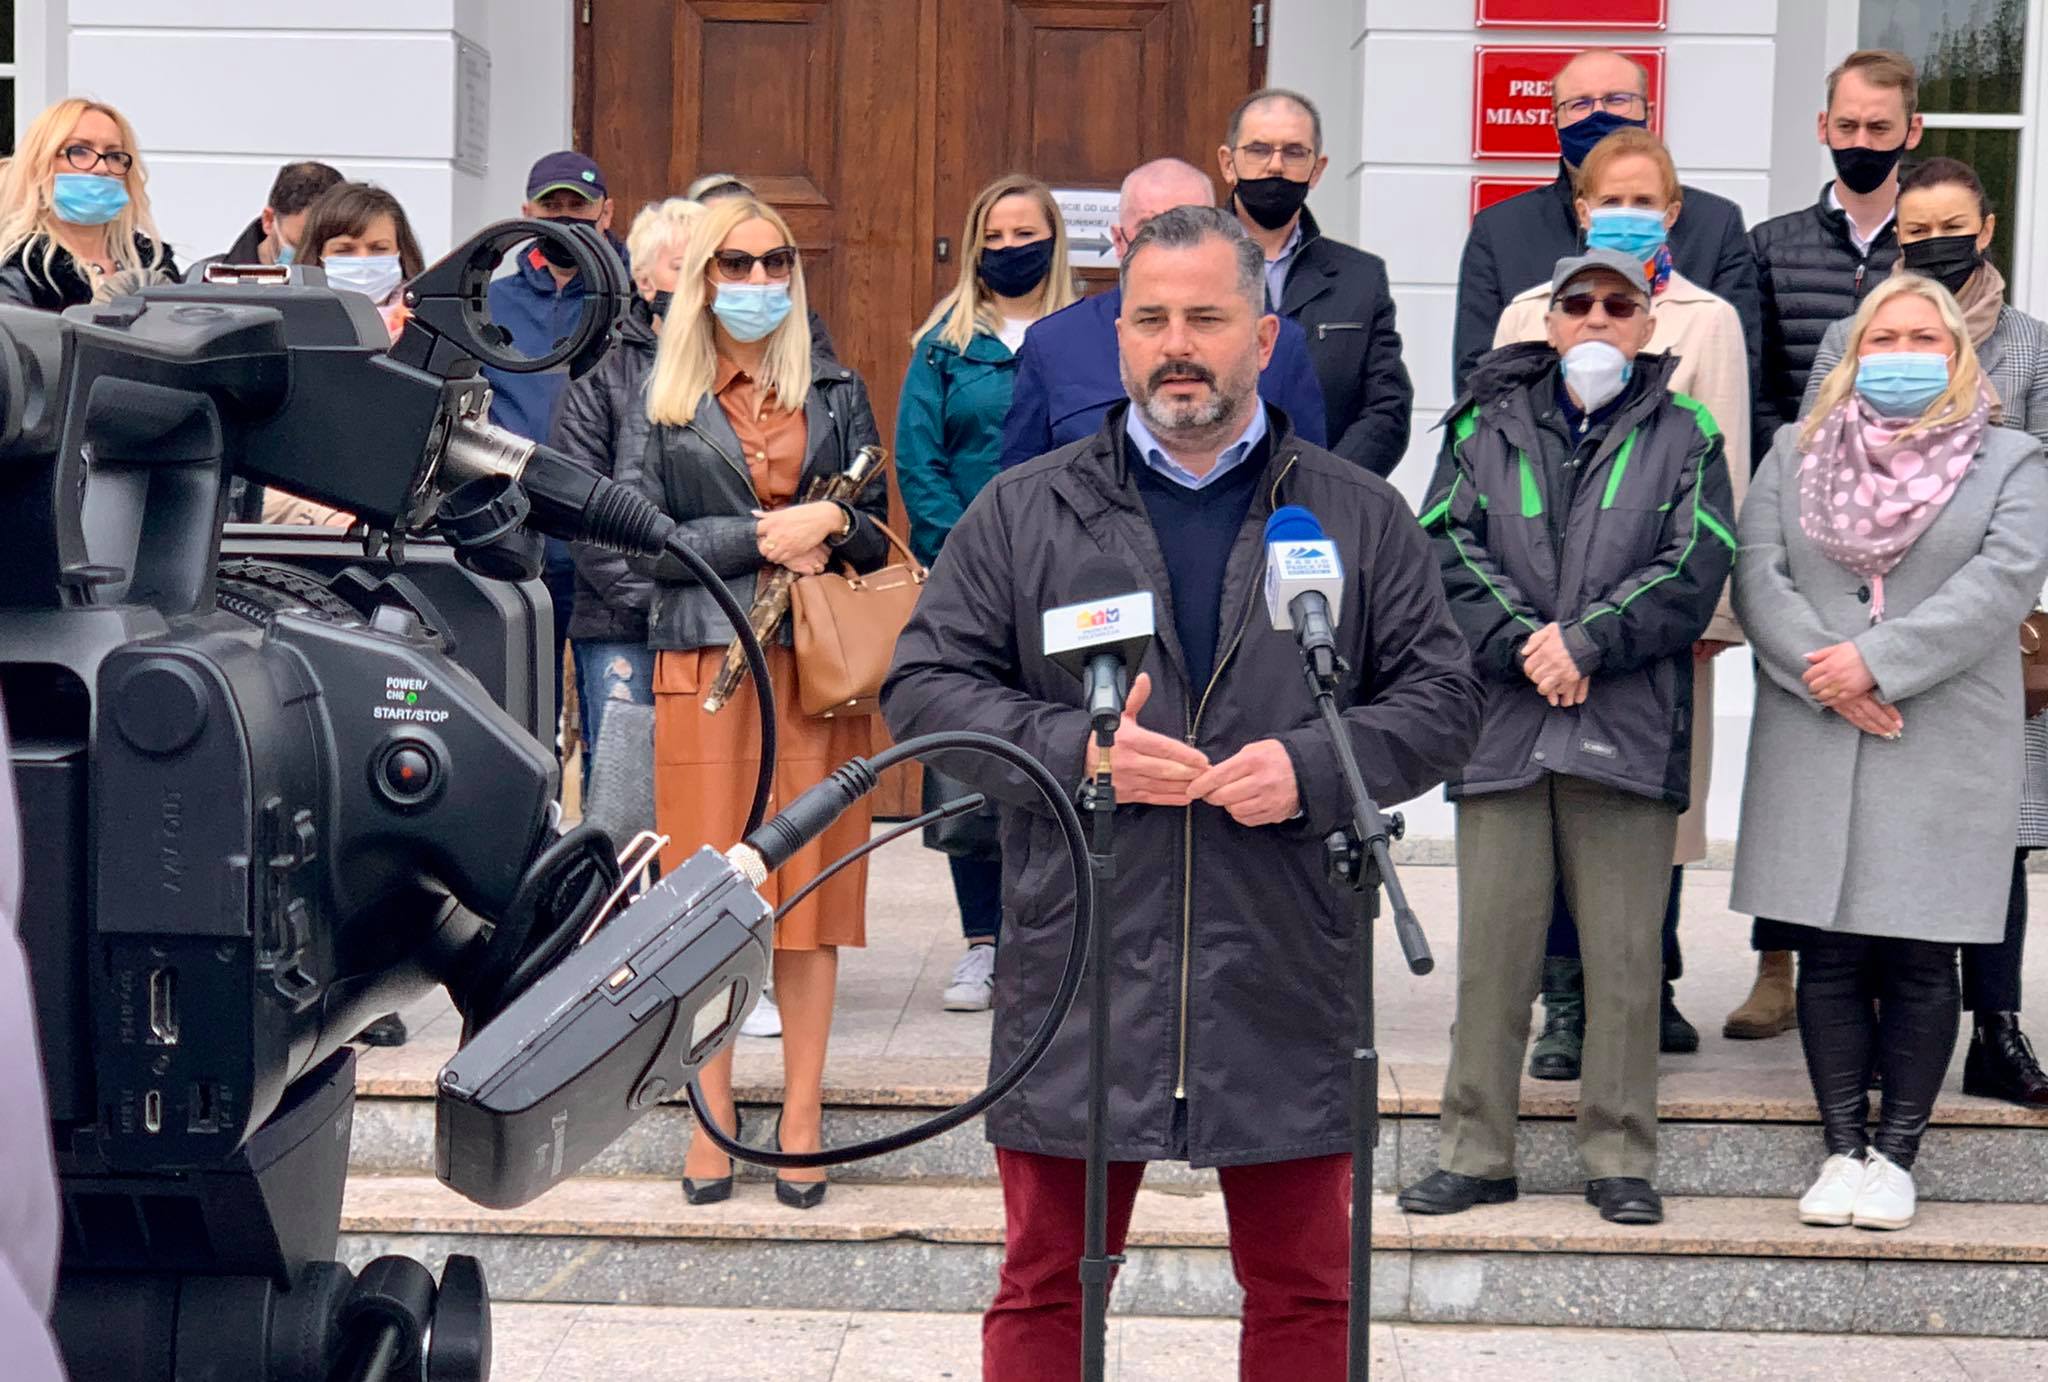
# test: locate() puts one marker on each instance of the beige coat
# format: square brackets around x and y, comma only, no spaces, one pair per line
[1705,335]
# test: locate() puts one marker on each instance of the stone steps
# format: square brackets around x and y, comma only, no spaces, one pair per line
[1716,1263]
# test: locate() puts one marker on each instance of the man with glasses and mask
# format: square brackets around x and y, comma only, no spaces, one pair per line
[1513,245]
[1583,523]
[1817,265]
[1270,159]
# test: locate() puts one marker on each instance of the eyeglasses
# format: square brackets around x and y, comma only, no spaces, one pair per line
[85,158]
[1293,157]
[737,266]
[1614,103]
[1619,307]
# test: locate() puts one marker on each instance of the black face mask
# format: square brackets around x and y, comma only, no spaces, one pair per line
[554,253]
[1863,171]
[662,301]
[1272,202]
[1017,269]
[1947,259]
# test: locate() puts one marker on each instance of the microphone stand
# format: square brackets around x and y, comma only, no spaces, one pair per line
[1360,865]
[1098,802]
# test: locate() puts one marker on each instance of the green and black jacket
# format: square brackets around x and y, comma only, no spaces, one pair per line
[1622,534]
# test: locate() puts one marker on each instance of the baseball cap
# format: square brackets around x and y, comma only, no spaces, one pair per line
[1628,268]
[576,172]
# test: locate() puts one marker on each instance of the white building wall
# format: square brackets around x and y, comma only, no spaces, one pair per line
[223,91]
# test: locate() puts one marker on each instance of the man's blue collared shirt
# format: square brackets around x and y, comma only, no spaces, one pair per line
[1155,455]
[1277,267]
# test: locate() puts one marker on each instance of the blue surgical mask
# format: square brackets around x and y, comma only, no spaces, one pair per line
[1902,383]
[287,253]
[87,199]
[751,310]
[375,276]
[1576,141]
[1631,230]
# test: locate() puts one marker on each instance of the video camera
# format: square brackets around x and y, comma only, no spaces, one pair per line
[269,797]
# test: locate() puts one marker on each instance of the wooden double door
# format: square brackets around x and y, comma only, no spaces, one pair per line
[871,124]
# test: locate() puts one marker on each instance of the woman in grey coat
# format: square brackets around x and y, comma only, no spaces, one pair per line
[1890,546]
[1945,226]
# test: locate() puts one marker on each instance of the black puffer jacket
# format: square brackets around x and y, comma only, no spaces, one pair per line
[24,282]
[1813,276]
[602,422]
[1231,994]
[697,475]
[1621,533]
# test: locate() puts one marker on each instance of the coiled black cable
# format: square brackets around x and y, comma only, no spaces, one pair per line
[757,668]
[1056,797]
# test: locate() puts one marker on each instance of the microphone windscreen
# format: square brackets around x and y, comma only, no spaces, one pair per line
[1100,576]
[1293,523]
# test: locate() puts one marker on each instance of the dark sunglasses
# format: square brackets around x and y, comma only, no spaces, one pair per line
[1619,307]
[85,158]
[736,266]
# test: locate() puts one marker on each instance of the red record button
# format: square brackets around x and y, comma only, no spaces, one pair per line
[409,774]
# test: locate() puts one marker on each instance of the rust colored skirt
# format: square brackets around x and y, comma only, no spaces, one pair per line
[704,768]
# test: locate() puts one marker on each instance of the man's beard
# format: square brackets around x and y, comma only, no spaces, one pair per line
[1171,418]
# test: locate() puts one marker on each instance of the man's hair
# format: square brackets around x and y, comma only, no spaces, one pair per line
[298,185]
[1883,69]
[712,186]
[1275,93]
[1185,227]
[1642,72]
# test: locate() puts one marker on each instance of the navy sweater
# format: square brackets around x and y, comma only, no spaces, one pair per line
[1196,530]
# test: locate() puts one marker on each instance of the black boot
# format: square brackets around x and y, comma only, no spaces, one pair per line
[2001,1063]
[1555,1055]
[1675,1036]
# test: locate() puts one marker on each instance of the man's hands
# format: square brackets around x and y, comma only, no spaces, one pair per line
[1147,767]
[1547,663]
[1255,785]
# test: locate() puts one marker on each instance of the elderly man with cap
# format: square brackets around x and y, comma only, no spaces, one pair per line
[1582,520]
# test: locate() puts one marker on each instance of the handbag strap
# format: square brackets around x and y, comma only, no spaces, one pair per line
[918,572]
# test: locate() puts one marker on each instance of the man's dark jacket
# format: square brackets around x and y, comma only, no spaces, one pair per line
[1813,276]
[1621,532]
[697,475]
[1340,296]
[1232,972]
[1068,378]
[247,249]
[1516,244]
[602,422]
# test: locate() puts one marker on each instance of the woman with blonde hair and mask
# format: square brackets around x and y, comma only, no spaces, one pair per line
[744,417]
[1629,198]
[75,224]
[949,439]
[1889,548]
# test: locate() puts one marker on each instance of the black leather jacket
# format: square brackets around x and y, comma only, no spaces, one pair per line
[602,422]
[1812,276]
[697,475]
[24,282]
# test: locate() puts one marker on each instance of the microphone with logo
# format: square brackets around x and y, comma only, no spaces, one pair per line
[1305,593]
[1100,638]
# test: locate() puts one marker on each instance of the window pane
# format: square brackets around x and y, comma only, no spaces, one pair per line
[7,32]
[1995,154]
[1970,52]
[6,117]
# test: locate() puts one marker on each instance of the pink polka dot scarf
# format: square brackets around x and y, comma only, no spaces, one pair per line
[1866,493]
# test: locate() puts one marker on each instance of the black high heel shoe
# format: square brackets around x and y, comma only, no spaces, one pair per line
[807,1194]
[714,1191]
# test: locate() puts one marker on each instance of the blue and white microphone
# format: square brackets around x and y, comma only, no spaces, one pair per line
[1304,583]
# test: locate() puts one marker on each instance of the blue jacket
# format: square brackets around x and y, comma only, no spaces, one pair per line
[949,431]
[1067,378]
[528,305]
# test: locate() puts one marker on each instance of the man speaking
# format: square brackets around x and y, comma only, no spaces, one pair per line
[1230,1008]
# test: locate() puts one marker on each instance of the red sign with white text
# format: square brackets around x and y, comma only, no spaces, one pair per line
[1572,14]
[1512,114]
[1493,191]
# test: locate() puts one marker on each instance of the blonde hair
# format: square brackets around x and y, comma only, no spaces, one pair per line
[969,306]
[686,362]
[28,181]
[659,225]
[1627,143]
[1965,375]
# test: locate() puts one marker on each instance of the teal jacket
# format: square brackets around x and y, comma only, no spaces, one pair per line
[949,431]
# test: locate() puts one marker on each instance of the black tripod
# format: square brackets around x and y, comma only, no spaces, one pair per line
[1098,801]
[1360,865]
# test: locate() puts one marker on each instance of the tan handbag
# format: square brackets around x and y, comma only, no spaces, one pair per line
[2034,661]
[846,627]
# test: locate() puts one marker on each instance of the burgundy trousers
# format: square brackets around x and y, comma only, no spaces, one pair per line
[1290,1238]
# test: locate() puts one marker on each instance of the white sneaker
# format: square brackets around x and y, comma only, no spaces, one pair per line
[1887,1199]
[974,981]
[765,1020]
[1832,1201]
